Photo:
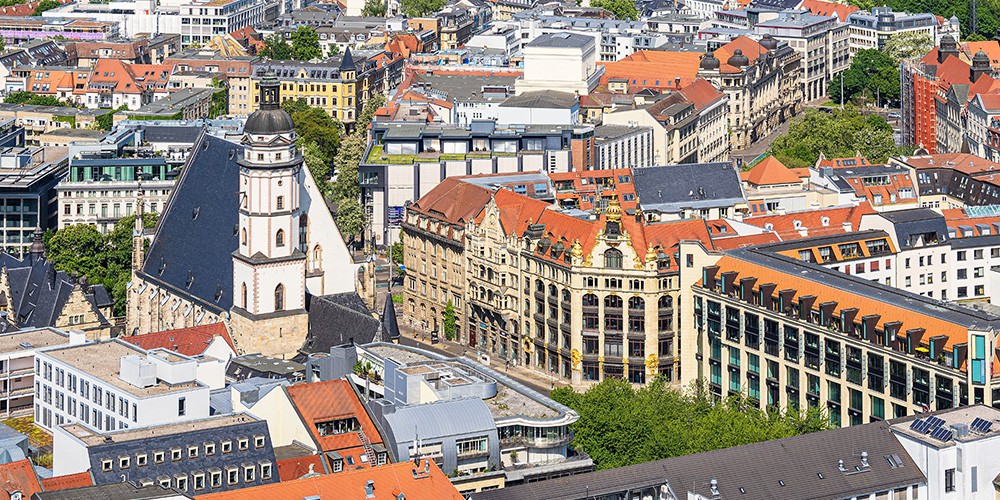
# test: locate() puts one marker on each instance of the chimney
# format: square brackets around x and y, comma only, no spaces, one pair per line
[864,459]
[77,337]
[848,227]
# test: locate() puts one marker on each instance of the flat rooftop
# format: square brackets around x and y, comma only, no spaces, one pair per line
[31,339]
[971,416]
[268,364]
[92,438]
[102,360]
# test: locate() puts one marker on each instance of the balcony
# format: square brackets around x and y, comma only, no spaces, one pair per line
[512,441]
[464,455]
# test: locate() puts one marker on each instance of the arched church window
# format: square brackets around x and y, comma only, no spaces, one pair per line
[243,235]
[243,295]
[279,298]
[317,258]
[279,239]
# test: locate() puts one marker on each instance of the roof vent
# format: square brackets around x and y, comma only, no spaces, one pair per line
[195,213]
[232,153]
[26,345]
[189,280]
[864,459]
[370,489]
[715,488]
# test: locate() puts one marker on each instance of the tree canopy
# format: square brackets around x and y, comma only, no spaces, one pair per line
[374,8]
[45,5]
[305,44]
[909,45]
[835,134]
[103,259]
[25,97]
[622,9]
[275,47]
[872,75]
[419,8]
[620,425]
[315,125]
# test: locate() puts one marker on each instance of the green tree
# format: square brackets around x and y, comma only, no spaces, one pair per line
[907,45]
[374,8]
[420,8]
[368,114]
[45,5]
[315,125]
[620,425]
[835,134]
[107,120]
[396,251]
[318,165]
[350,217]
[275,47]
[103,259]
[292,106]
[622,9]
[25,97]
[448,321]
[346,163]
[872,74]
[305,44]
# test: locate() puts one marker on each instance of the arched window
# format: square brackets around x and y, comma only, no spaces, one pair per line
[613,258]
[666,302]
[243,232]
[612,301]
[279,238]
[279,298]
[243,295]
[590,300]
[280,204]
[636,303]
[317,258]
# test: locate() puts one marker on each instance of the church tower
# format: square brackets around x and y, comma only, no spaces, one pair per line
[269,292]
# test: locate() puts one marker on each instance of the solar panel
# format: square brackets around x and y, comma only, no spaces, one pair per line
[986,427]
[942,433]
[916,424]
[977,424]
[934,423]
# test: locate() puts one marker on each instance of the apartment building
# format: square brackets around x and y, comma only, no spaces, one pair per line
[790,334]
[982,132]
[16,30]
[203,20]
[691,125]
[951,180]
[113,385]
[38,120]
[28,178]
[237,71]
[871,29]
[339,88]
[762,81]
[218,453]
[407,160]
[822,41]
[621,146]
[17,366]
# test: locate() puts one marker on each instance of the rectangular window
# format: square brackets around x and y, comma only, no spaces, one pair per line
[181,407]
[949,480]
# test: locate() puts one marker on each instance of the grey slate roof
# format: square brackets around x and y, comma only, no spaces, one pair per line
[390,328]
[798,462]
[561,40]
[673,188]
[113,491]
[542,99]
[338,319]
[916,221]
[38,292]
[192,254]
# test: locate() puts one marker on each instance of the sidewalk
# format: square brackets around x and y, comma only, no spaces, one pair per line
[541,382]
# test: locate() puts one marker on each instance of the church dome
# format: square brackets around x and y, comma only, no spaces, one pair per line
[709,62]
[270,119]
[738,60]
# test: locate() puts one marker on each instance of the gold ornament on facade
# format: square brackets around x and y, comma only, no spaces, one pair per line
[651,364]
[624,361]
[575,358]
[650,254]
[614,211]
[577,249]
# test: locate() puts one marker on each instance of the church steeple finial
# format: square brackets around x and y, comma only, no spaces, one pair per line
[37,249]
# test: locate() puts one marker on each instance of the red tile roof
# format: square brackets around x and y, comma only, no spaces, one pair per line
[822,8]
[770,172]
[330,400]
[654,69]
[390,483]
[294,468]
[19,476]
[452,201]
[812,221]
[701,93]
[78,480]
[187,341]
[750,48]
[747,240]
